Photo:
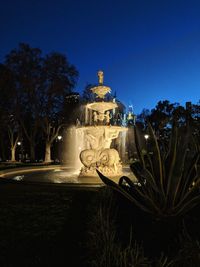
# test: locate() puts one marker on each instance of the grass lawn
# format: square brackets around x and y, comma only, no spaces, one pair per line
[44,225]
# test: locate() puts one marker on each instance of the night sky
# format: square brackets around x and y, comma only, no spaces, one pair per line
[149,50]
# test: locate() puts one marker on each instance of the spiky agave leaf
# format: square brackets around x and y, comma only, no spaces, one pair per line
[142,193]
[122,191]
[169,182]
[143,175]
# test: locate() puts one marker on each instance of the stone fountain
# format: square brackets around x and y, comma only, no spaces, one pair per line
[98,136]
[89,146]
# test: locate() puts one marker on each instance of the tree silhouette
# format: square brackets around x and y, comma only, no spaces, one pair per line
[25,65]
[40,85]
[59,78]
[9,124]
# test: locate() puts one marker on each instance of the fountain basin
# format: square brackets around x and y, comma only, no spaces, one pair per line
[101,107]
[56,175]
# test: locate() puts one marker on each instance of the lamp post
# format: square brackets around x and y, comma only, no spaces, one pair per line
[19,143]
[146,136]
[59,138]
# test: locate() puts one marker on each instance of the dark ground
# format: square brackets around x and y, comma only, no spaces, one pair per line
[49,225]
[44,225]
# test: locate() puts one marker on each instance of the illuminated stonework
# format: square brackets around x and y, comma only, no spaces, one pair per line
[98,137]
[101,107]
[99,155]
[101,90]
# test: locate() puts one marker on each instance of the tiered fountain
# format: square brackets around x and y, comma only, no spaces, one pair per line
[97,153]
[88,147]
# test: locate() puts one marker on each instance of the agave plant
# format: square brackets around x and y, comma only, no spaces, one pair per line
[168,179]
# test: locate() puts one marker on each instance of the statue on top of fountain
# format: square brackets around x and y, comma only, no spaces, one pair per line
[99,136]
[100,76]
[100,90]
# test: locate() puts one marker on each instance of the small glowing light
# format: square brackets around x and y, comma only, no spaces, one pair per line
[146,136]
[59,137]
[79,148]
[19,143]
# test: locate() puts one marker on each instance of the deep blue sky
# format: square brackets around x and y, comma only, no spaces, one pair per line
[149,50]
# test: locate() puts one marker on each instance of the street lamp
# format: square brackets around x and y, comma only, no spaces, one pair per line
[19,143]
[146,136]
[59,137]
